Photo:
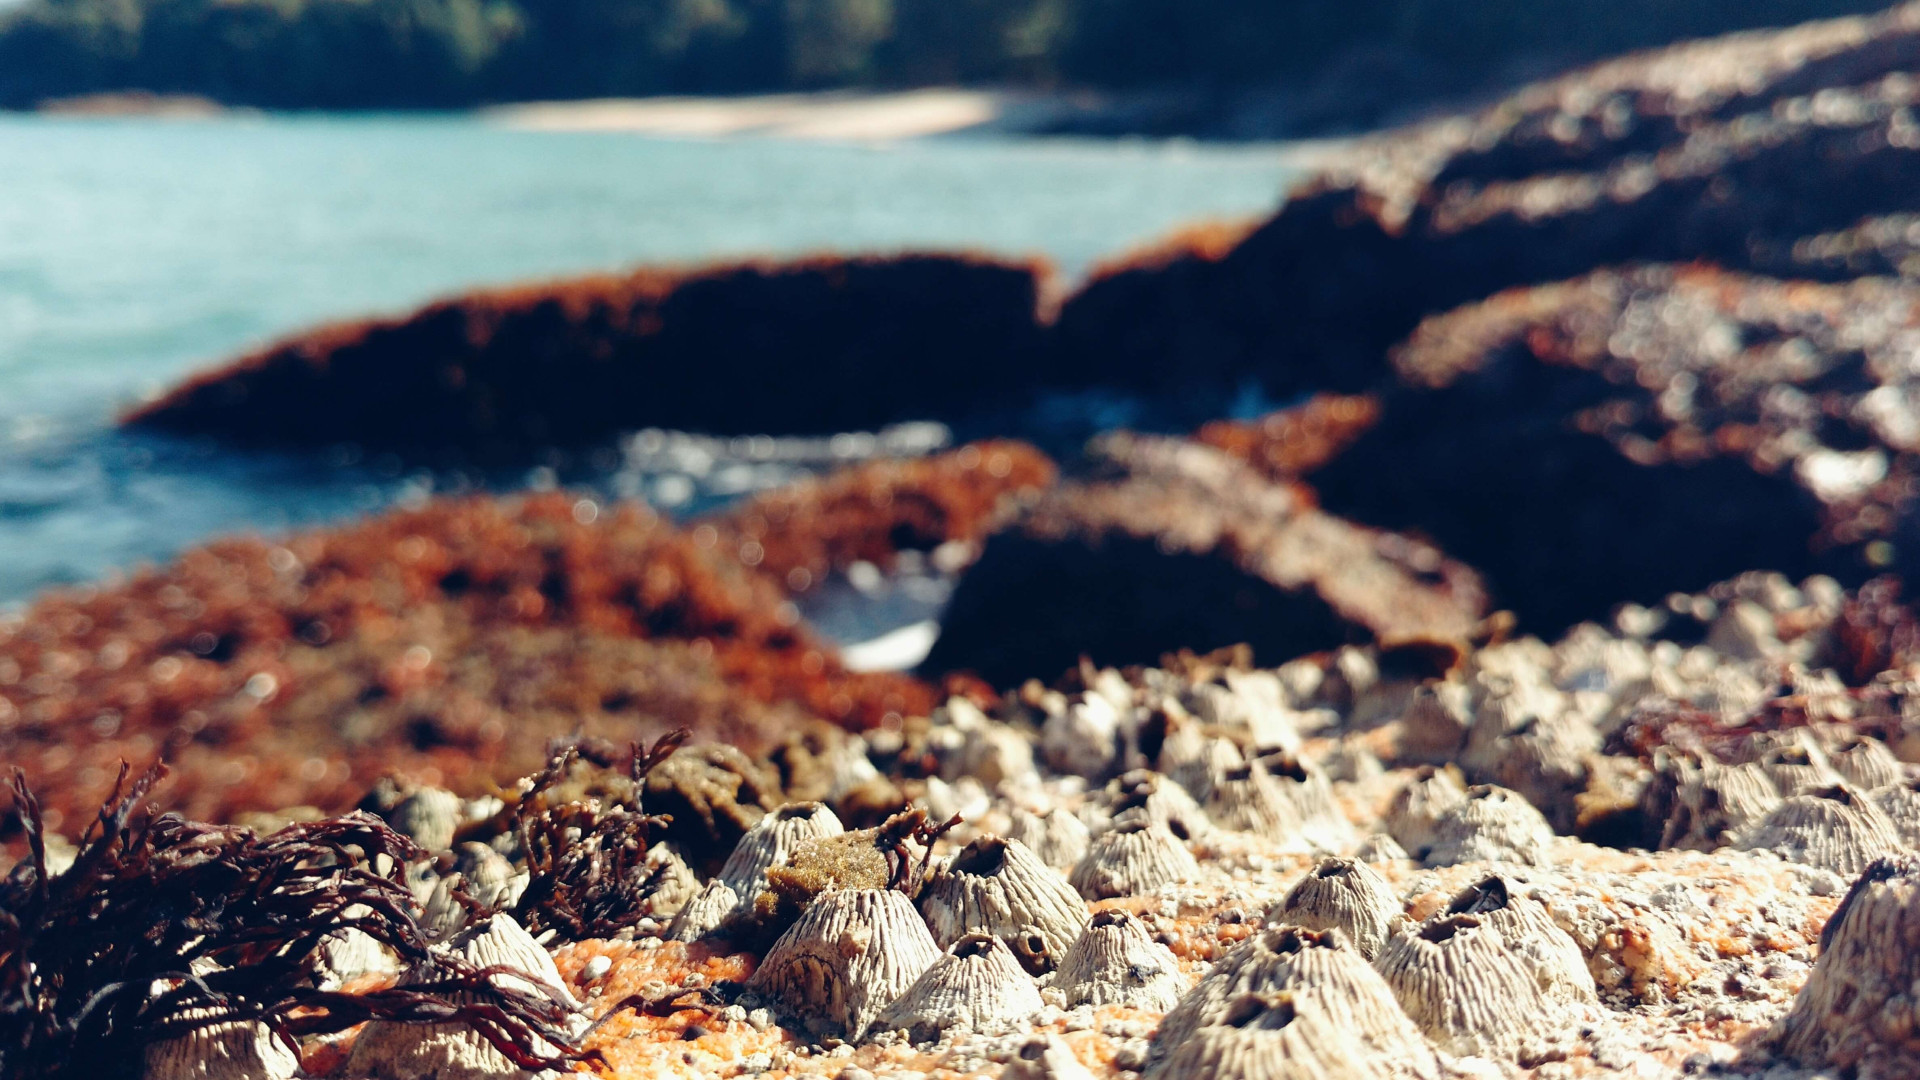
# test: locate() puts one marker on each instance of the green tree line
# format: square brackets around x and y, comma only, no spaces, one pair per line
[429,53]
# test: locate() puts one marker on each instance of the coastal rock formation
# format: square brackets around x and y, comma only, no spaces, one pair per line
[805,346]
[1181,546]
[1738,422]
[414,643]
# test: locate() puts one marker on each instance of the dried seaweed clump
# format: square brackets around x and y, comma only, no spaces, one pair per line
[977,985]
[1131,859]
[1320,970]
[1116,962]
[1835,828]
[1461,983]
[590,871]
[713,794]
[1856,1012]
[1491,824]
[1345,895]
[996,886]
[1531,934]
[848,957]
[179,935]
[878,858]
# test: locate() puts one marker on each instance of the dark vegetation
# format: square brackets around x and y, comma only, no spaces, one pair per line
[406,53]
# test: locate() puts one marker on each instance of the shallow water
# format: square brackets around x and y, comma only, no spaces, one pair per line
[135,250]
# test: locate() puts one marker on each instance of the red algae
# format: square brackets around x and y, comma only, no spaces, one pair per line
[800,533]
[447,643]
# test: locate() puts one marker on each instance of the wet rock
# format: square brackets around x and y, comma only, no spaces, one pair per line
[1466,989]
[977,984]
[997,886]
[1856,1012]
[1491,824]
[1835,828]
[1344,895]
[847,958]
[1186,548]
[1133,858]
[1115,962]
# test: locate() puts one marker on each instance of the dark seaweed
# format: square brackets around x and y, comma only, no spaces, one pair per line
[163,926]
[588,863]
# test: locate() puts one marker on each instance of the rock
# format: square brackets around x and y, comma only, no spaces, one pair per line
[1187,548]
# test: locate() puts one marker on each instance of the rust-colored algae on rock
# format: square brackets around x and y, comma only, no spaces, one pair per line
[740,348]
[446,643]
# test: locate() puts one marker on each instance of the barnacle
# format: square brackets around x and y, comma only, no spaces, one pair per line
[1836,828]
[1132,858]
[1531,934]
[1245,798]
[1856,1013]
[1163,802]
[1866,763]
[1056,836]
[1345,895]
[1416,808]
[1491,824]
[1461,983]
[975,984]
[849,955]
[997,886]
[1115,962]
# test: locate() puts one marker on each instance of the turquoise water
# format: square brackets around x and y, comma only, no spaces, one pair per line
[134,251]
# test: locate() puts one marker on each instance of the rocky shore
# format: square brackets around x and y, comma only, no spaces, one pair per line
[1535,696]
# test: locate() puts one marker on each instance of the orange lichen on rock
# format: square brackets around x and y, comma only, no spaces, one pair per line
[448,643]
[1294,442]
[802,532]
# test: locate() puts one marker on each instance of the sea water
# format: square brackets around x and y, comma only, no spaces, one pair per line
[135,251]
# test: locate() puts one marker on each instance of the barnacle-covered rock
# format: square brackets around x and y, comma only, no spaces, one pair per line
[221,1050]
[1901,802]
[977,984]
[1116,962]
[1466,989]
[1246,798]
[1056,836]
[1289,1035]
[429,816]
[1531,934]
[1866,763]
[1713,802]
[388,1050]
[1132,858]
[1417,806]
[702,915]
[1322,965]
[997,886]
[1045,1057]
[771,841]
[848,957]
[1491,824]
[1159,798]
[1344,895]
[1835,828]
[1856,1013]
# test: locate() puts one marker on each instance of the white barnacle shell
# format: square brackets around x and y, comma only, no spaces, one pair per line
[848,957]
[350,952]
[489,876]
[1531,934]
[1133,857]
[1835,828]
[1416,807]
[771,841]
[1492,824]
[1901,802]
[997,886]
[442,916]
[1083,739]
[221,1050]
[1304,785]
[1856,1012]
[1045,1057]
[1197,759]
[1465,988]
[393,1051]
[429,817]
[1246,799]
[675,882]
[1344,895]
[1056,836]
[1349,993]
[1866,763]
[703,914]
[1713,802]
[1115,962]
[977,984]
[1798,768]
[1379,848]
[1159,798]
[1289,1035]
